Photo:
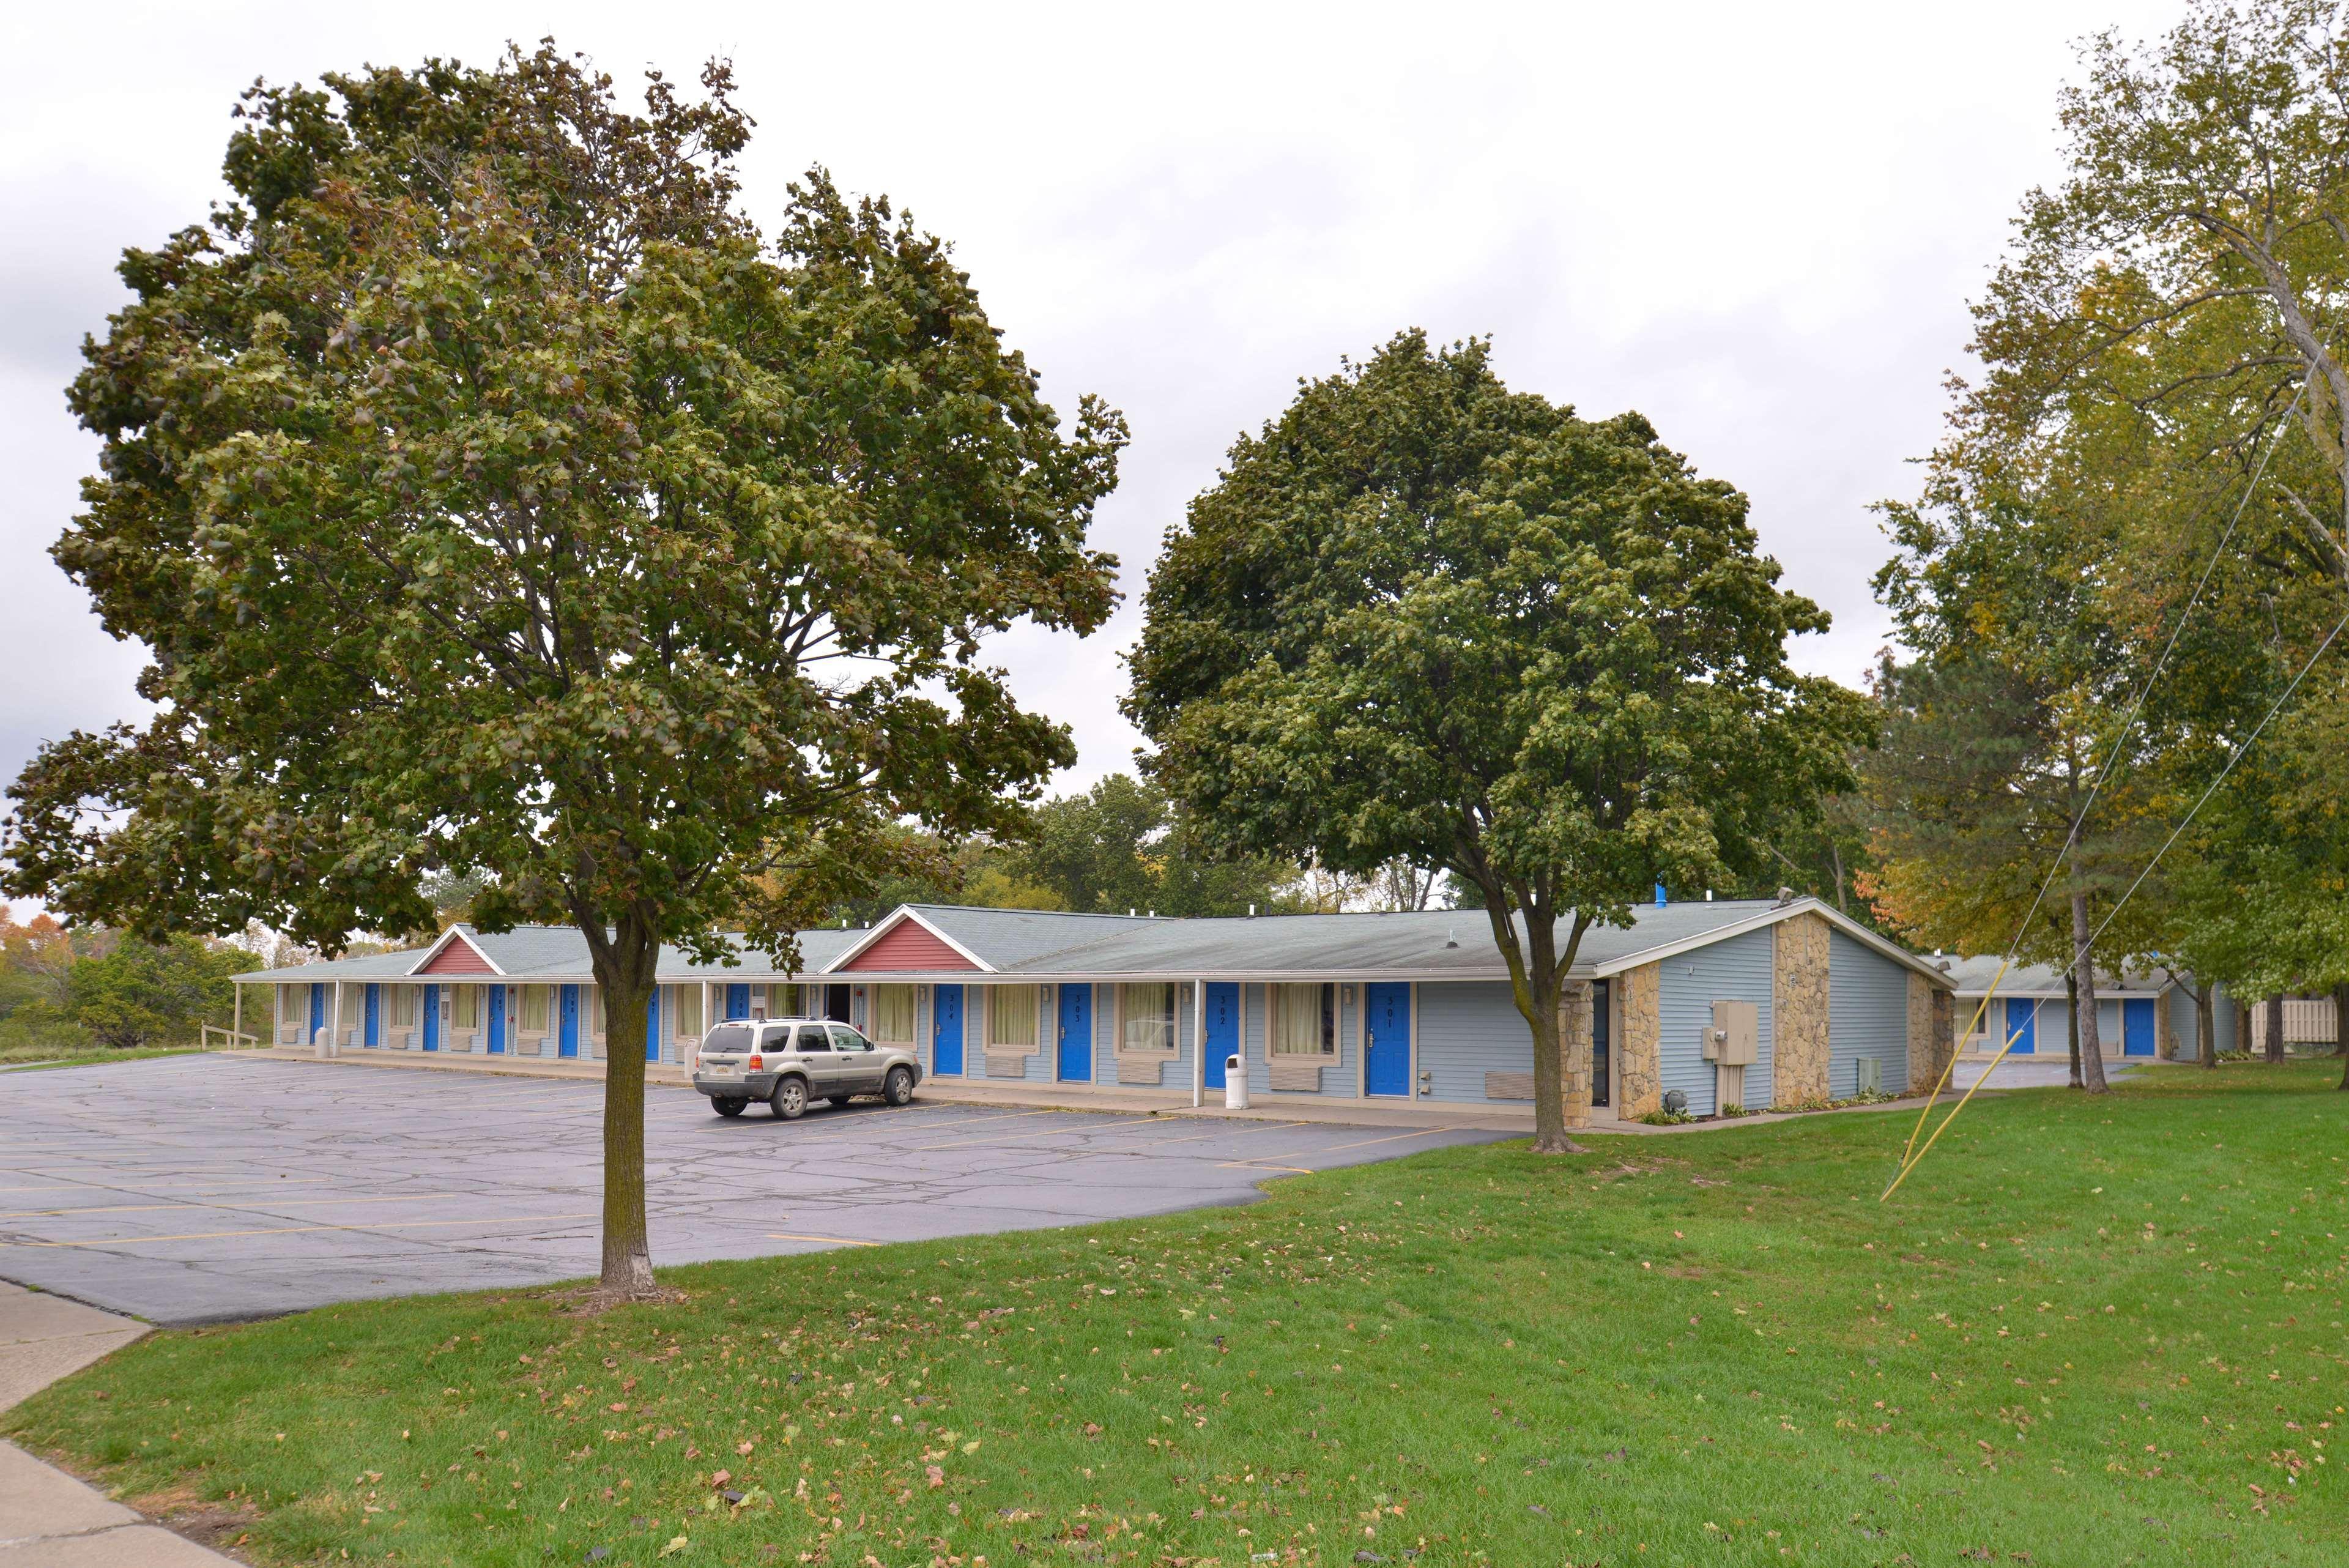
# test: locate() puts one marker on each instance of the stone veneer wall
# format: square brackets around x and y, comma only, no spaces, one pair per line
[1639,1034]
[1945,1023]
[1924,1061]
[1798,1015]
[1574,1033]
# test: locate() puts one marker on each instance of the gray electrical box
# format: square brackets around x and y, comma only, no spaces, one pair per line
[1734,1037]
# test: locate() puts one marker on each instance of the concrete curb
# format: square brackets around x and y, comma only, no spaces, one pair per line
[47,1518]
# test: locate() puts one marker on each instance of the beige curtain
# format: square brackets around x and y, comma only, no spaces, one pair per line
[893,1014]
[687,1009]
[1295,1020]
[534,1008]
[466,1003]
[1011,1020]
[403,1005]
[1149,1012]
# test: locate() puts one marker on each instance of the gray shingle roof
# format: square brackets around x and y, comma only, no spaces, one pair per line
[1973,976]
[560,953]
[1430,944]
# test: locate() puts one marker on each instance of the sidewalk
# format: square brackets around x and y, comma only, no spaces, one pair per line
[47,1519]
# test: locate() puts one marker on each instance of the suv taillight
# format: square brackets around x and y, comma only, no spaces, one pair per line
[757,1062]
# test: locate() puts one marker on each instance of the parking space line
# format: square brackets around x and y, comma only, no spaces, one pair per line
[1334,1148]
[299,1229]
[1043,1132]
[155,1208]
[834,1241]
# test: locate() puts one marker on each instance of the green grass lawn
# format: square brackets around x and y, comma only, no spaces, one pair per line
[2093,1332]
[25,1057]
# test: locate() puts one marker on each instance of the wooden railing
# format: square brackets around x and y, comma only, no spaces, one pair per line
[229,1039]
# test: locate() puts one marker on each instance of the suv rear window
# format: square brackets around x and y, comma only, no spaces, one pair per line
[726,1040]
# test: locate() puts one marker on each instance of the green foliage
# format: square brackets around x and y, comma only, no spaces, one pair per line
[1122,845]
[62,990]
[1422,618]
[500,503]
[144,993]
[2069,1337]
[2170,308]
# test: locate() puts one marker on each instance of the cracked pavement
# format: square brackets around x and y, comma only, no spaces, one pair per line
[194,1189]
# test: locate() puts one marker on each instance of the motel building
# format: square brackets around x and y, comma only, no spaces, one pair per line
[1751,1002]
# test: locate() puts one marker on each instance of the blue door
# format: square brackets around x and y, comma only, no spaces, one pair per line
[567,1043]
[2022,1026]
[652,1027]
[2137,1026]
[737,1002]
[946,1037]
[1223,1000]
[374,1015]
[1386,1025]
[433,1018]
[497,1021]
[1076,1055]
[318,1012]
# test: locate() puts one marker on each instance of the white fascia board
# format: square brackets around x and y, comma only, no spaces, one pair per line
[1762,921]
[895,917]
[457,934]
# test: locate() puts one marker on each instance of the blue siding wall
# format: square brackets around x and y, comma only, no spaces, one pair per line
[1738,969]
[1467,1029]
[1868,1015]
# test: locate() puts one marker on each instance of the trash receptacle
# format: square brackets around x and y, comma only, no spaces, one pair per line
[1234,1084]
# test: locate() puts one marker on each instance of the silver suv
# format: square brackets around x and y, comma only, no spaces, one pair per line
[787,1062]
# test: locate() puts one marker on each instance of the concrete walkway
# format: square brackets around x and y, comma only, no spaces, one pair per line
[47,1519]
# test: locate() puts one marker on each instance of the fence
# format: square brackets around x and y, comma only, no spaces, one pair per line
[229,1039]
[2307,1021]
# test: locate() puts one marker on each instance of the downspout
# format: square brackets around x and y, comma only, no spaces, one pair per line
[1198,1044]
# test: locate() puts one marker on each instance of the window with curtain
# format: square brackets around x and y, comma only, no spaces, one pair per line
[893,1014]
[467,1005]
[599,1007]
[403,1004]
[687,1010]
[534,1008]
[1148,1010]
[1011,1016]
[1304,1021]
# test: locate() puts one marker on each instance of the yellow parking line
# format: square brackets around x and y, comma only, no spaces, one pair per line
[1334,1148]
[834,1241]
[1098,1126]
[153,1207]
[296,1230]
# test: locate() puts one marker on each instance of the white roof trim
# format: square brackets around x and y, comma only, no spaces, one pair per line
[1766,918]
[896,918]
[458,932]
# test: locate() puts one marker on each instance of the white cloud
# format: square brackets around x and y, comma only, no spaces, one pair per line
[1758,225]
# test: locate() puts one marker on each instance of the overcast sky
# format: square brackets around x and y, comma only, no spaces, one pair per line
[1758,225]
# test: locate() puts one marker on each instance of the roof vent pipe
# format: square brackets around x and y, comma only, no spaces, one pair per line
[1659,896]
[1785,895]
[1708,895]
[1251,911]
[1451,938]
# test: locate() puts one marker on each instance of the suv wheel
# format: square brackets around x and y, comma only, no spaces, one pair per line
[899,1089]
[727,1106]
[790,1098]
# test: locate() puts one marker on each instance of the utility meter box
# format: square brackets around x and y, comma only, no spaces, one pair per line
[1734,1037]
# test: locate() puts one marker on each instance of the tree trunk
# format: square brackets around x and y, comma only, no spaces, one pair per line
[2341,1030]
[2242,1026]
[1538,983]
[2273,1008]
[2092,1051]
[2072,1021]
[2206,1024]
[625,964]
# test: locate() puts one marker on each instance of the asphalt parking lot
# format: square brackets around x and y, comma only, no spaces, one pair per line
[206,1189]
